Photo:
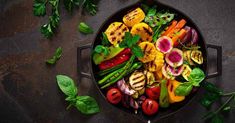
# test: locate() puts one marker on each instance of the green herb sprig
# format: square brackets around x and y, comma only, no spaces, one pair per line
[49,29]
[84,28]
[213,94]
[55,57]
[195,78]
[130,41]
[85,104]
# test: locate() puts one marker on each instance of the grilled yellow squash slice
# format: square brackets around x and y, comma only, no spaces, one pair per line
[157,64]
[143,30]
[134,17]
[116,32]
[149,50]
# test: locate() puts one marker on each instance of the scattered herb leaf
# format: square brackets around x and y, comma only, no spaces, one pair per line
[55,57]
[39,7]
[85,104]
[84,28]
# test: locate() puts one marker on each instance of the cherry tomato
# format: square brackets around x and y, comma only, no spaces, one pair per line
[149,107]
[153,92]
[114,96]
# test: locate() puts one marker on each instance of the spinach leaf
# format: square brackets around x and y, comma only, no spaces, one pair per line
[66,85]
[184,89]
[87,105]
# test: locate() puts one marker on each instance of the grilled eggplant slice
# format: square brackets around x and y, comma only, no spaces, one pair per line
[196,56]
[137,80]
[116,32]
[149,52]
[134,17]
[143,30]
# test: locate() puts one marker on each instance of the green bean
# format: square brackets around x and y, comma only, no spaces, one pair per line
[107,71]
[123,74]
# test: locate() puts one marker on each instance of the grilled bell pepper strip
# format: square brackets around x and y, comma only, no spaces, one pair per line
[117,72]
[100,57]
[119,59]
[123,74]
[163,100]
[107,71]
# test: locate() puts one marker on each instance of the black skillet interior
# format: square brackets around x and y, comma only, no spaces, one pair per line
[173,107]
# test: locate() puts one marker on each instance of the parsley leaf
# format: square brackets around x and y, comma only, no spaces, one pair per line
[55,57]
[69,5]
[137,51]
[89,6]
[39,7]
[84,28]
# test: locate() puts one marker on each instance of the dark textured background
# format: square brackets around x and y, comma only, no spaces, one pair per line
[28,90]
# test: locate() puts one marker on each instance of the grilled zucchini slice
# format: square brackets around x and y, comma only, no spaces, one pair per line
[187,57]
[186,72]
[196,56]
[143,30]
[134,17]
[149,52]
[116,32]
[137,80]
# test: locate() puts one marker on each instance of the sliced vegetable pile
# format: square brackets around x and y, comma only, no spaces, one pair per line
[149,60]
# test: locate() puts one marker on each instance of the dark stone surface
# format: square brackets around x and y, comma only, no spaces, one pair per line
[28,90]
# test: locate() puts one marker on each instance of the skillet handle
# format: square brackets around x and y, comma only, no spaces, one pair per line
[80,62]
[219,61]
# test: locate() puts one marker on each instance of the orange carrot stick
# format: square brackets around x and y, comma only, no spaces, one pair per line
[177,28]
[172,26]
[178,36]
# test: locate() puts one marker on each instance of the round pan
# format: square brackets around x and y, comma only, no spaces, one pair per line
[162,113]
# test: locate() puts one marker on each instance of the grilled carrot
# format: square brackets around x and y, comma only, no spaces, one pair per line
[178,36]
[177,28]
[172,26]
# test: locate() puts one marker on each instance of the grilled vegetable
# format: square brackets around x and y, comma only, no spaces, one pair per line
[172,26]
[143,30]
[164,44]
[153,92]
[128,101]
[188,35]
[121,74]
[134,17]
[175,71]
[124,88]
[173,98]
[119,59]
[194,39]
[107,71]
[174,58]
[186,72]
[139,93]
[157,64]
[187,57]
[149,107]
[149,52]
[163,100]
[100,57]
[196,56]
[177,28]
[178,37]
[115,32]
[137,80]
[114,96]
[149,77]
[166,73]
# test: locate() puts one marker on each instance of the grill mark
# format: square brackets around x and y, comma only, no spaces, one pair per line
[151,106]
[137,77]
[145,47]
[140,81]
[147,105]
[114,93]
[147,31]
[111,33]
[141,86]
[113,38]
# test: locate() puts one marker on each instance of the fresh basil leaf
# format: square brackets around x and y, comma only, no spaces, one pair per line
[66,85]
[184,89]
[196,76]
[217,119]
[209,99]
[84,28]
[39,8]
[152,11]
[105,40]
[101,49]
[89,6]
[71,99]
[87,105]
[137,51]
[51,61]
[212,88]
[58,53]
[227,108]
[134,40]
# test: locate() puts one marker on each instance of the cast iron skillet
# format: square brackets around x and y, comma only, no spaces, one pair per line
[162,113]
